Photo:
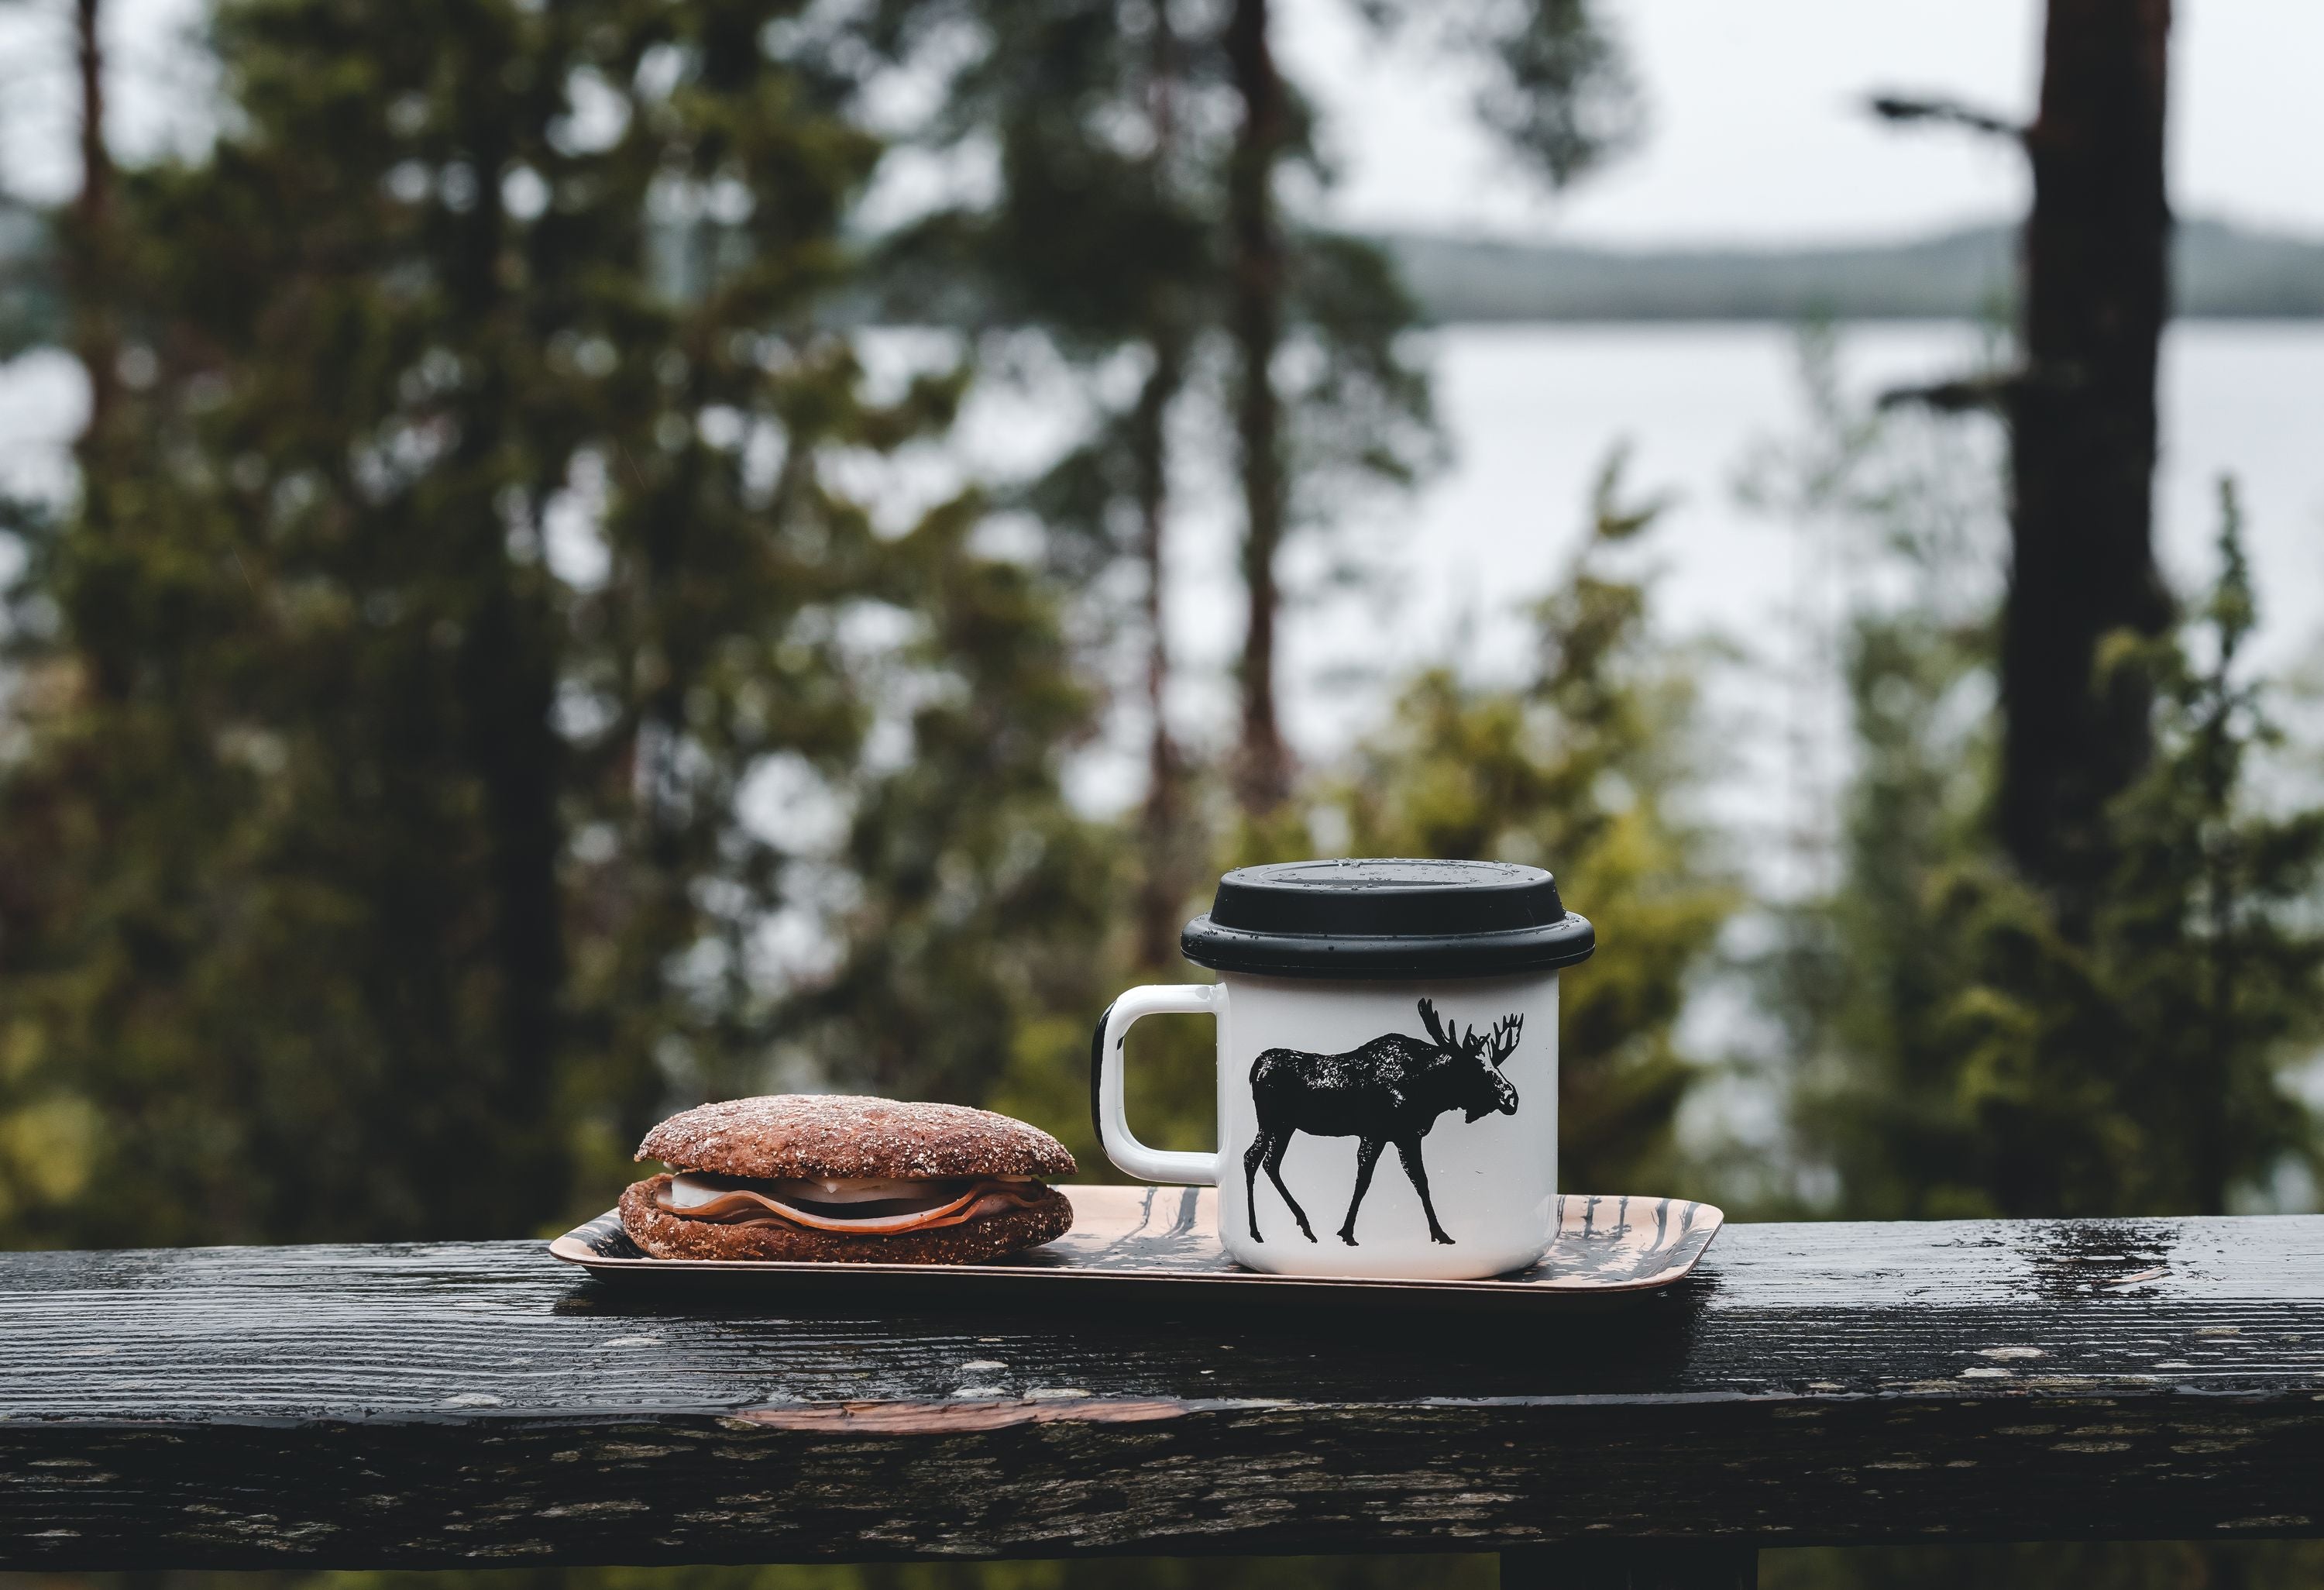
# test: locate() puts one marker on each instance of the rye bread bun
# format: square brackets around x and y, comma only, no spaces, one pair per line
[673,1236]
[801,1134]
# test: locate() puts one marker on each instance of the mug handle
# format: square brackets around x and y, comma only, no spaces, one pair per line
[1106,1107]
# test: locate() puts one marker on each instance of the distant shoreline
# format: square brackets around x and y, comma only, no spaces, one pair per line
[2220,271]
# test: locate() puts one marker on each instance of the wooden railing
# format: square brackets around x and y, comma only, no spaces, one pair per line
[480,1403]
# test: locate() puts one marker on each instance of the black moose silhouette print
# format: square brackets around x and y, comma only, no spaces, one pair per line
[1389,1091]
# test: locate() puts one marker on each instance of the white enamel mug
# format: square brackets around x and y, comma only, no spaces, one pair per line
[1387,1066]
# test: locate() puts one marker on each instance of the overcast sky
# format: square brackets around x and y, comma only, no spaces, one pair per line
[1756,126]
[1757,130]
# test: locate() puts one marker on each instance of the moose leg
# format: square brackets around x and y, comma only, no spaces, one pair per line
[1275,1148]
[1368,1153]
[1251,1156]
[1407,1149]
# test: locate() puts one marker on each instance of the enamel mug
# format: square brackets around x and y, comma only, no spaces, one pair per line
[1387,1066]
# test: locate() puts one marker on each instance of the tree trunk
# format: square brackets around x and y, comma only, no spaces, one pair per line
[1262,770]
[1163,883]
[508,672]
[1162,839]
[2083,437]
[90,252]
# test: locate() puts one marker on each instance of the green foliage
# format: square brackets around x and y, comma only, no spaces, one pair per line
[1584,766]
[1961,1053]
[1588,764]
[980,901]
[377,854]
[2144,1565]
[1102,226]
[1112,232]
[1376,1572]
[1557,90]
[462,717]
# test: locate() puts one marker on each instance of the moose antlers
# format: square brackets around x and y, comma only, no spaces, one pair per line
[1504,1042]
[1436,1032]
[1499,1047]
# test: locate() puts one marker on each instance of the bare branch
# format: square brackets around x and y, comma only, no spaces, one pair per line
[1987,392]
[1900,107]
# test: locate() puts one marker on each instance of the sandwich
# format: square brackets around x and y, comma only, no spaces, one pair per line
[829,1179]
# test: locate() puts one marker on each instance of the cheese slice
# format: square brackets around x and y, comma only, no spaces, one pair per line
[853,1209]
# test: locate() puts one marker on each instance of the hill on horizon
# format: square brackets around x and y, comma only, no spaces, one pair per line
[2219,271]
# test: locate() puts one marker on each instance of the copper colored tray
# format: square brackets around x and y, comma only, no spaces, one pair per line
[1147,1244]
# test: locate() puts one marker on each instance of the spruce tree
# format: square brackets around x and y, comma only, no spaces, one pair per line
[1584,766]
[1964,1044]
[2079,406]
[378,851]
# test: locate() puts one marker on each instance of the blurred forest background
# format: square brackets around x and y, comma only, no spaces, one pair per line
[512,664]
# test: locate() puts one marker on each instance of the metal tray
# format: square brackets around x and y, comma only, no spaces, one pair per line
[1148,1244]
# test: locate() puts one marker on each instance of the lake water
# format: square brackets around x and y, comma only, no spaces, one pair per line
[1530,411]
[1533,410]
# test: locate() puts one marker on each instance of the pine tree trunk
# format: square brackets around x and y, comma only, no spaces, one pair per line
[91,255]
[1163,882]
[508,672]
[2083,437]
[1163,838]
[1262,770]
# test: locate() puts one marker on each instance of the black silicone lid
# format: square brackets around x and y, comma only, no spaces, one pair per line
[1362,919]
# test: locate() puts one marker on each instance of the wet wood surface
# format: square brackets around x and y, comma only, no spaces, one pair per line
[484,1404]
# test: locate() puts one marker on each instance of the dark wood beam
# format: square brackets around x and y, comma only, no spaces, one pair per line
[427,1406]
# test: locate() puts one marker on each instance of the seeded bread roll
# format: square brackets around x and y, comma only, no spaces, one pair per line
[815,1134]
[673,1236]
[986,1164]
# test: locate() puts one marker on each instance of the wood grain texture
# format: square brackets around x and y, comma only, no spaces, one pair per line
[483,1403]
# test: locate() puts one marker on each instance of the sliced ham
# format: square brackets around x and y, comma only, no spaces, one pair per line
[864,1196]
[938,1204]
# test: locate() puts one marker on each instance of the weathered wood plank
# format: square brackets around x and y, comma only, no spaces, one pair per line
[434,1405]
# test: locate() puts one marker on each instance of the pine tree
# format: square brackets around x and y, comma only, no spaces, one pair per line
[1098,238]
[1584,768]
[378,851]
[1965,1045]
[2080,412]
